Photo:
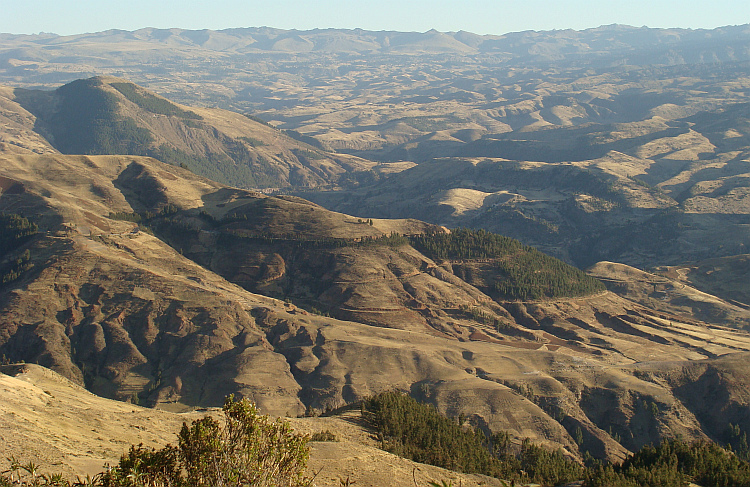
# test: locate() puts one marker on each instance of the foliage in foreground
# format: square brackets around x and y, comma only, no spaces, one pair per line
[247,449]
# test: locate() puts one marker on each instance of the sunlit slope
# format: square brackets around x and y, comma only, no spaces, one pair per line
[107,115]
[150,319]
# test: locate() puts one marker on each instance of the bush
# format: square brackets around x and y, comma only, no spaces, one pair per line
[326,435]
[249,449]
[246,449]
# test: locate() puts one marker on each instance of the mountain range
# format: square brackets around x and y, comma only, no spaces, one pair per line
[304,253]
[143,284]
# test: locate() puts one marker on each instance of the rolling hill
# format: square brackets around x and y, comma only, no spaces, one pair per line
[123,293]
[650,193]
[146,282]
[114,116]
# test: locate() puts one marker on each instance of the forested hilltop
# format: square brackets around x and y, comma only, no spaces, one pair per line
[524,273]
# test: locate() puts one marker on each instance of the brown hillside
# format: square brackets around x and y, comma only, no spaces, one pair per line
[120,311]
[63,428]
[107,115]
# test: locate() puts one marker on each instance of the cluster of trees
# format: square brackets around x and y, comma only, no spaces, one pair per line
[258,119]
[236,167]
[252,141]
[12,271]
[737,439]
[674,463]
[15,230]
[152,103]
[419,432]
[467,244]
[145,216]
[524,273]
[294,240]
[534,275]
[246,448]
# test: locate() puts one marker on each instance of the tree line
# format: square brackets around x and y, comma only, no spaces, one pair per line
[523,272]
[15,230]
[419,432]
[152,103]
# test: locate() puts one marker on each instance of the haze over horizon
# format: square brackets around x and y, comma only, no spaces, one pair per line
[66,17]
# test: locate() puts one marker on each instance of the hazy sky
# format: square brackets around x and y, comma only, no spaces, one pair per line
[479,16]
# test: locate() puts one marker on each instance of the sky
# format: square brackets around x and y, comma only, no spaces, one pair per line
[66,17]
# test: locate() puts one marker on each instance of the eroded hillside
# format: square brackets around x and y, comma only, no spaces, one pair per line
[149,318]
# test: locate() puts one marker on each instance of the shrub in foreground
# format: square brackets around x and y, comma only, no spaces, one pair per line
[246,449]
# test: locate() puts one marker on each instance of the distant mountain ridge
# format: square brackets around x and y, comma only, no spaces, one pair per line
[374,93]
[530,45]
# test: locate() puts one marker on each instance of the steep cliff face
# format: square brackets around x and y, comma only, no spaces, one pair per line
[179,319]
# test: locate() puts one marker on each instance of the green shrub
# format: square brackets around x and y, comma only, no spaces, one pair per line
[249,449]
[146,466]
[326,435]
